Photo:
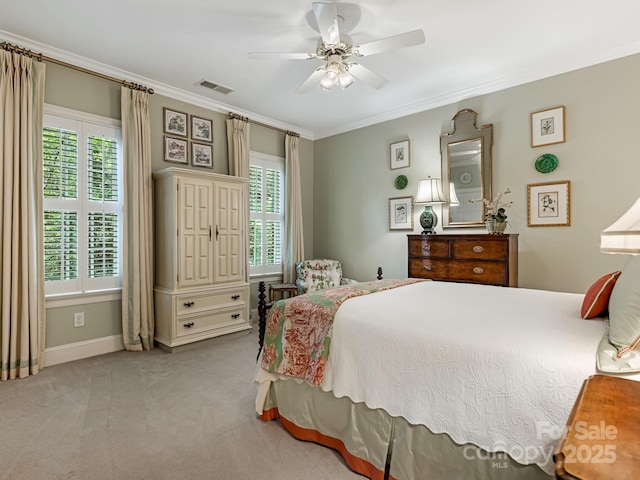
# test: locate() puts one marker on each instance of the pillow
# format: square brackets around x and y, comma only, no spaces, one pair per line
[596,300]
[623,352]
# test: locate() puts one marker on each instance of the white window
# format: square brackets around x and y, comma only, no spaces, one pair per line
[266,219]
[82,200]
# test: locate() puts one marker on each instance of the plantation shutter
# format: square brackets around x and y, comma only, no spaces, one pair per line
[102,192]
[266,207]
[60,191]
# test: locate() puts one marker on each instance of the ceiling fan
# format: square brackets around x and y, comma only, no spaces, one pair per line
[336,48]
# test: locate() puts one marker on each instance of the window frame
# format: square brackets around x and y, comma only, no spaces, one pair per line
[264,160]
[86,125]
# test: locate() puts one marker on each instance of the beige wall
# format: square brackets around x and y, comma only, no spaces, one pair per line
[353,182]
[71,89]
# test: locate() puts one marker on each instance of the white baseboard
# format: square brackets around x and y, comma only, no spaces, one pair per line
[80,350]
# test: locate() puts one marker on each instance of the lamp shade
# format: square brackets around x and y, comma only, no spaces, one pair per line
[453,198]
[430,191]
[624,235]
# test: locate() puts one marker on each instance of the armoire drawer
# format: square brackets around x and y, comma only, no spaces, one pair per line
[200,323]
[193,303]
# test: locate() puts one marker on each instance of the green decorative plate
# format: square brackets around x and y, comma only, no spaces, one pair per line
[546,163]
[401,182]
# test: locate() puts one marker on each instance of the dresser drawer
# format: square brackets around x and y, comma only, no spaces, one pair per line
[193,303]
[428,268]
[427,247]
[482,249]
[217,319]
[478,272]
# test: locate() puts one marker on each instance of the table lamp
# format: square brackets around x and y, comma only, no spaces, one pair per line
[623,236]
[429,192]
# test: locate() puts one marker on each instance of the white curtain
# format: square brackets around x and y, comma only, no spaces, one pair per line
[137,274]
[238,144]
[22,313]
[293,237]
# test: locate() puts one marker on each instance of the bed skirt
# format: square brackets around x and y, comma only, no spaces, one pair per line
[379,446]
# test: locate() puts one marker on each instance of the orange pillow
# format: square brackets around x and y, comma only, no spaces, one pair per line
[596,300]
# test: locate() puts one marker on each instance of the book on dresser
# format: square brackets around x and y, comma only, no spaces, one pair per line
[467,258]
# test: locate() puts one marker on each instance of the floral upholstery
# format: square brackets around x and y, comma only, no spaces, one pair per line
[317,274]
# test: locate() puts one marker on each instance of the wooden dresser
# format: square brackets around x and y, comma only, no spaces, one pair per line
[474,258]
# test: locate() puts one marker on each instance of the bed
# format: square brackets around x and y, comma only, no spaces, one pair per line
[427,379]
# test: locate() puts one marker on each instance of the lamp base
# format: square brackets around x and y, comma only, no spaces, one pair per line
[428,220]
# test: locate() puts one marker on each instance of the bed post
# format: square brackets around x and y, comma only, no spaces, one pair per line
[262,315]
[379,273]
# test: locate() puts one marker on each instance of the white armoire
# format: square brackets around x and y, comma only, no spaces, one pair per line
[201,279]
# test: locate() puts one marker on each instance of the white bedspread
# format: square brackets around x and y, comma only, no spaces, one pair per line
[496,367]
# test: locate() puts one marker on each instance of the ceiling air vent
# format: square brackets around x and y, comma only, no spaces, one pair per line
[214,86]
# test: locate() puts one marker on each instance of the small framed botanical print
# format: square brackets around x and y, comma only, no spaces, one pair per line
[201,155]
[399,155]
[175,123]
[548,204]
[175,150]
[401,213]
[201,129]
[547,127]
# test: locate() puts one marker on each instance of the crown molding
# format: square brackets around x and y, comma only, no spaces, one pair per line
[481,88]
[492,86]
[158,87]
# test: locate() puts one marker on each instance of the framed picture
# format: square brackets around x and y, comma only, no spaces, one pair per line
[201,155]
[175,150]
[175,123]
[201,129]
[547,127]
[401,213]
[548,204]
[400,155]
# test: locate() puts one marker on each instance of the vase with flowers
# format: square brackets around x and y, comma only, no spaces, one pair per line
[495,218]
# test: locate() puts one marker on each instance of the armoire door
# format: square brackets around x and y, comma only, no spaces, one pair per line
[229,242]
[195,235]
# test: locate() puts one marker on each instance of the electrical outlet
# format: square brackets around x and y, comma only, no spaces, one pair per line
[78,319]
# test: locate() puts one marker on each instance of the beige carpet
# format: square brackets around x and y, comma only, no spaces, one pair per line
[152,415]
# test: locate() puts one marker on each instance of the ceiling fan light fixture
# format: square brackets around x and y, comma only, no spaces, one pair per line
[345,79]
[329,80]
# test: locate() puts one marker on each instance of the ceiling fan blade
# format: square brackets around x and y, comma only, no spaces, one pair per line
[395,42]
[367,76]
[312,81]
[282,55]
[327,18]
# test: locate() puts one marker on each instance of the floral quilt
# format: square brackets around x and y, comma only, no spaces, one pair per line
[298,333]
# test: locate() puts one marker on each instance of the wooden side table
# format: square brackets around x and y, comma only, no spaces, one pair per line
[281,289]
[602,440]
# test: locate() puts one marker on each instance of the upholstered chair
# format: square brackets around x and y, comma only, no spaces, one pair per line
[319,273]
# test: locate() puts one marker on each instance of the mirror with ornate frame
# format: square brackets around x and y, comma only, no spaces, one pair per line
[466,170]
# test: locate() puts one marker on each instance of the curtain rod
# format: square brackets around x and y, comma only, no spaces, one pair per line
[246,119]
[40,57]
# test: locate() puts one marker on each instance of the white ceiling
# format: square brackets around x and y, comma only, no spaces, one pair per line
[472,47]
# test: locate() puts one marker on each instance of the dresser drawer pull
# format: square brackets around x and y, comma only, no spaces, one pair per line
[188,325]
[235,297]
[478,270]
[428,268]
[188,304]
[235,315]
[426,248]
[478,249]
